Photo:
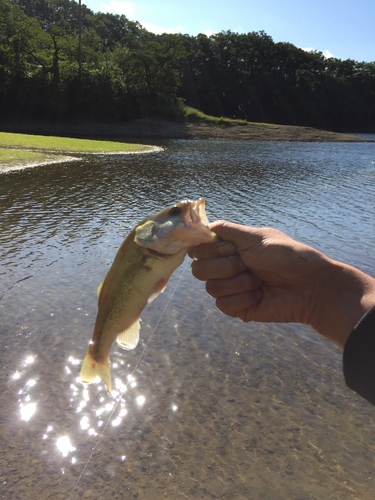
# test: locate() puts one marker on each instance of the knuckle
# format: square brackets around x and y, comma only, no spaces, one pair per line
[248,280]
[236,266]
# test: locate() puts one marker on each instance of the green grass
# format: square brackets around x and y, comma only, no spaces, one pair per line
[14,159]
[14,155]
[195,114]
[65,144]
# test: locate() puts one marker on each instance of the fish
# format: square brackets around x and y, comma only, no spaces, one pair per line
[140,272]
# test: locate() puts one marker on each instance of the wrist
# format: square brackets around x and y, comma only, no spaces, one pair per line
[343,297]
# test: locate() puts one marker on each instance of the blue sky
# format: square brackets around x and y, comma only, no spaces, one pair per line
[344,29]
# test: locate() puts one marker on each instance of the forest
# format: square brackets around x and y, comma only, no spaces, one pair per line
[113,70]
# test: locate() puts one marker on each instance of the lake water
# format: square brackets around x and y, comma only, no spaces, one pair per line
[207,407]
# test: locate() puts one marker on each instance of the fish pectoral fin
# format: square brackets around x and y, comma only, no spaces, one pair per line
[129,338]
[157,292]
[91,370]
[99,289]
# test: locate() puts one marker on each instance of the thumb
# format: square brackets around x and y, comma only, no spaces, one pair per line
[242,236]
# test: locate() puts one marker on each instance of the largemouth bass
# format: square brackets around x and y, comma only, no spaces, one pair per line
[140,271]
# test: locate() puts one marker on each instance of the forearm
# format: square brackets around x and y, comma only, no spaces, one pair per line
[340,300]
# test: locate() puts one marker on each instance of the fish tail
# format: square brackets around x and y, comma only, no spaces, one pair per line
[91,369]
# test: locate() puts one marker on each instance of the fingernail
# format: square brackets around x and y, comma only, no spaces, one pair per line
[191,254]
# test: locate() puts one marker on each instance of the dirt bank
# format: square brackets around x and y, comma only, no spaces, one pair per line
[163,129]
[42,159]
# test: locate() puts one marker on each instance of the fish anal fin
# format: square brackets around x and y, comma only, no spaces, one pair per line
[91,370]
[129,338]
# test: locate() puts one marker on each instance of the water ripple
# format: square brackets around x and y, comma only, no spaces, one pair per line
[211,399]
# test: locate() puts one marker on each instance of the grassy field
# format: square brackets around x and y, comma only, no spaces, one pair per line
[195,114]
[13,159]
[21,150]
[65,144]
[14,155]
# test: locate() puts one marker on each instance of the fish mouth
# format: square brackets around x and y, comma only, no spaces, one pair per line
[196,221]
[198,212]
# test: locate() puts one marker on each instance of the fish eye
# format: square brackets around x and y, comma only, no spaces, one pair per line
[175,211]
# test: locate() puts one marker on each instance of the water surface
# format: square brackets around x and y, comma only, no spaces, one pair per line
[207,407]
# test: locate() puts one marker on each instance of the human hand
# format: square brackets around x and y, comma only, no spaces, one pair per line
[260,274]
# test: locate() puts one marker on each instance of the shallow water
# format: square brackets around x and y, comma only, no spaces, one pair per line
[210,407]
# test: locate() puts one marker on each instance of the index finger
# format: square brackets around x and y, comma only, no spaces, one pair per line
[212,250]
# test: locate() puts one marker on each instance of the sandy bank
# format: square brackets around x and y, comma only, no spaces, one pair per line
[164,129]
[46,159]
[40,157]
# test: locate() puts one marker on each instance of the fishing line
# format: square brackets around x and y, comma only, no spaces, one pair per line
[126,385]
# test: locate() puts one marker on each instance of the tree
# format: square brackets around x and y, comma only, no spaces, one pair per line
[128,72]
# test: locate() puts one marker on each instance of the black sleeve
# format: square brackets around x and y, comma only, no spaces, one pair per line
[359,357]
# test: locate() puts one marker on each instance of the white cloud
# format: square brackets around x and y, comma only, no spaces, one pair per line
[118,7]
[128,9]
[158,30]
[327,54]
[208,33]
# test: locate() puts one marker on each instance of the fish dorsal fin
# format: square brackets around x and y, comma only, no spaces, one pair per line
[128,339]
[99,289]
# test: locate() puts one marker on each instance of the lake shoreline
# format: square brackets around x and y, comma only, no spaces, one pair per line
[10,166]
[159,129]
[19,151]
